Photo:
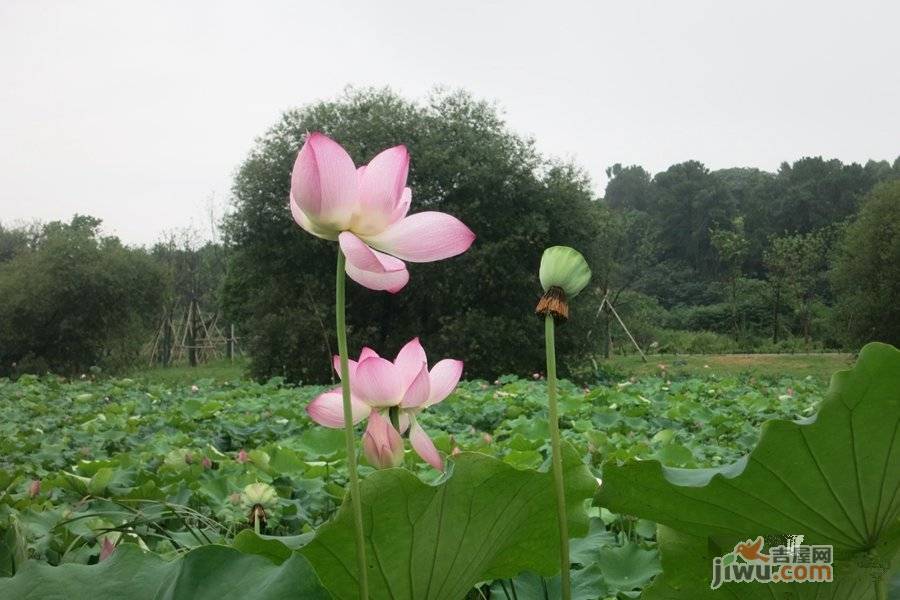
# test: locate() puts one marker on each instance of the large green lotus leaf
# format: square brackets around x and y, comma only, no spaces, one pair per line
[485,520]
[629,566]
[587,584]
[206,573]
[835,479]
[687,566]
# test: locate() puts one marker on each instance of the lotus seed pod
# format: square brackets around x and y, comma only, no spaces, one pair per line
[564,273]
[565,268]
[261,494]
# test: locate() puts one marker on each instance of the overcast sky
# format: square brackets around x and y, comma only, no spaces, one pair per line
[139,113]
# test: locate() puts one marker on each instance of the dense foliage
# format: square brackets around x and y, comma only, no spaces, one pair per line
[744,255]
[695,260]
[123,463]
[866,273]
[72,299]
[465,162]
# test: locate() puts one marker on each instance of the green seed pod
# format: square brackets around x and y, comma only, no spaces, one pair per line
[565,268]
[564,273]
[261,494]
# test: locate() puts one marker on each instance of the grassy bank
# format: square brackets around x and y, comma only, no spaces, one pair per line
[218,371]
[818,366]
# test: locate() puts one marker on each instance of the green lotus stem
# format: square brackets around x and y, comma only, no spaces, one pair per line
[339,305]
[553,417]
[881,588]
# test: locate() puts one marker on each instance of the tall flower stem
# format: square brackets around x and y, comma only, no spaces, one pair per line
[553,417]
[339,304]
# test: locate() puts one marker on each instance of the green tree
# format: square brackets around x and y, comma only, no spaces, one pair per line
[866,272]
[816,193]
[731,246]
[690,203]
[14,240]
[797,265]
[777,260]
[75,299]
[629,188]
[755,194]
[477,306]
[626,254]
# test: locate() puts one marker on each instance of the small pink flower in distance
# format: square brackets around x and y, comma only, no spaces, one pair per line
[365,210]
[535,376]
[242,456]
[206,463]
[790,391]
[377,385]
[456,451]
[106,549]
[34,488]
[487,438]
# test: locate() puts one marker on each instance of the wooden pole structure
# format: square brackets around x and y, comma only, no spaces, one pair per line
[606,302]
[622,323]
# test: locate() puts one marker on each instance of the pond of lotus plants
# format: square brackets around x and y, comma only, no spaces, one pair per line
[404,483]
[88,468]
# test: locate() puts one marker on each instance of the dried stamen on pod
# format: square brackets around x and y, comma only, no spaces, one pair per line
[555,303]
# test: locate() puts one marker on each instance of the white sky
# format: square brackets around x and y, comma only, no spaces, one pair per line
[139,113]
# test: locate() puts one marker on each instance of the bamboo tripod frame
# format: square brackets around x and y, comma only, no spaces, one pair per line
[175,338]
[607,303]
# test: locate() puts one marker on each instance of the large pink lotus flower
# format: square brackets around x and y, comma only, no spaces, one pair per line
[377,385]
[365,210]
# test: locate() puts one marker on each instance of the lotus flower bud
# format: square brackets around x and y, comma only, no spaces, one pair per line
[382,444]
[261,494]
[242,456]
[563,273]
[34,488]
[257,498]
[107,547]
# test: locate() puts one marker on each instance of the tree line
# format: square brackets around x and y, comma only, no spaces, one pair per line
[773,261]
[73,300]
[693,259]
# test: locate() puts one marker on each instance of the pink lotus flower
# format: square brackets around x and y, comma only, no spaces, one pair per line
[377,385]
[106,549]
[365,210]
[34,488]
[242,456]
[382,443]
